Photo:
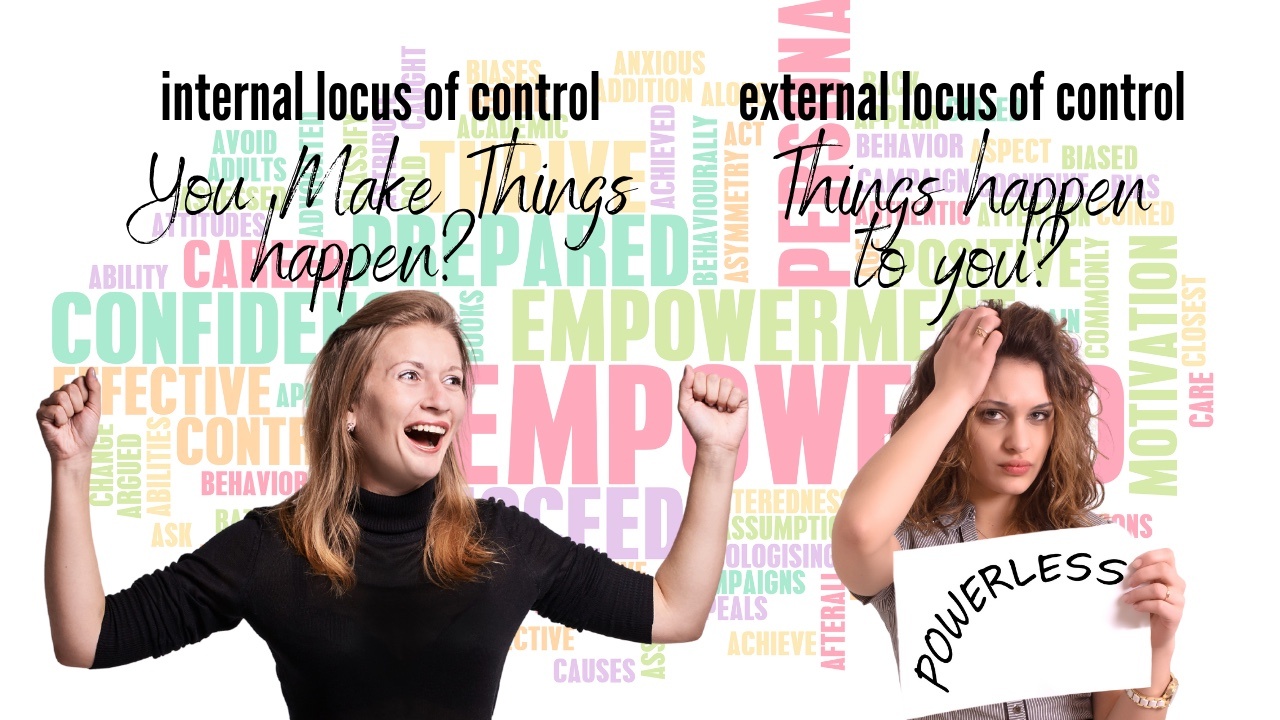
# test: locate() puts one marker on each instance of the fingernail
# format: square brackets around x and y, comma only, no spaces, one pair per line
[94,373]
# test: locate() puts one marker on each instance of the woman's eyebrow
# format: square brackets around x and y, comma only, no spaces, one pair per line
[1004,405]
[423,368]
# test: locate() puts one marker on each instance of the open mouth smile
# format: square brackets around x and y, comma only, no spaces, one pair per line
[427,436]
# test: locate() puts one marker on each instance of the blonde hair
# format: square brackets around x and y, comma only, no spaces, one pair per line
[317,520]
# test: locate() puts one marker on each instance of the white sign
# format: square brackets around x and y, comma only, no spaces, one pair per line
[1018,617]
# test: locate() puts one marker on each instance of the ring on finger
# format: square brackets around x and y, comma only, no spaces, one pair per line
[1168,593]
[980,332]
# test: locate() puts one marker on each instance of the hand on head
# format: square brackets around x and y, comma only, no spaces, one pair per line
[967,355]
[714,410]
[69,417]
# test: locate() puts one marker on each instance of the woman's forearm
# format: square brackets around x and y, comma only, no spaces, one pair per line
[685,585]
[884,489]
[72,584]
[1118,706]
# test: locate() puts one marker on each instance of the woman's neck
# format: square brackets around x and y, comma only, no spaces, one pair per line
[994,514]
[408,512]
[377,487]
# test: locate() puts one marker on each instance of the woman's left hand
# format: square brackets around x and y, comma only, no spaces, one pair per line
[713,409]
[1162,594]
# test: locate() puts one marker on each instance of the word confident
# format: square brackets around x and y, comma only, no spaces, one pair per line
[937,642]
[378,101]
[541,196]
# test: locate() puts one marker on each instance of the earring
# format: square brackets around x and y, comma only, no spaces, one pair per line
[351,428]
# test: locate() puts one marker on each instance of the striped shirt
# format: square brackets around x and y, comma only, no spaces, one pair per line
[1060,707]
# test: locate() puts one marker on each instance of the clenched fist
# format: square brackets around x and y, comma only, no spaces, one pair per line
[69,418]
[713,409]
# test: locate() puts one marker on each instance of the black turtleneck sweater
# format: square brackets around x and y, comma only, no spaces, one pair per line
[395,646]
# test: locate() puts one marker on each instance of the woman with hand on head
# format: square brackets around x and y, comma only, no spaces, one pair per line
[992,438]
[382,588]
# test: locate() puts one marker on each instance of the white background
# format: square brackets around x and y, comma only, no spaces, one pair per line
[81,118]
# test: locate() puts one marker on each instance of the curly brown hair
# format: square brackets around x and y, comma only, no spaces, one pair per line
[1066,488]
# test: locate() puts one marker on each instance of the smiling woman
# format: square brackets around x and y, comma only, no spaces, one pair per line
[381,587]
[407,410]
[396,367]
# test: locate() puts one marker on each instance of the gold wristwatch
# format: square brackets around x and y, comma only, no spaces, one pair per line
[1156,703]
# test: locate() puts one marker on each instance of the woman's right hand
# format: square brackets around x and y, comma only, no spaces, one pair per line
[966,357]
[68,421]
[69,418]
